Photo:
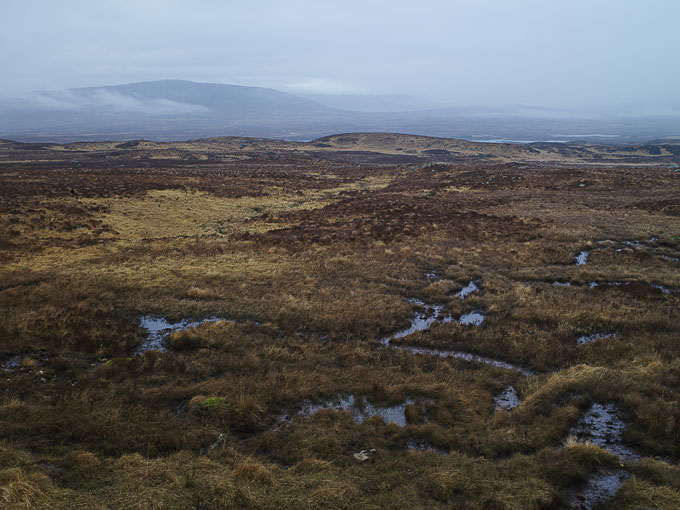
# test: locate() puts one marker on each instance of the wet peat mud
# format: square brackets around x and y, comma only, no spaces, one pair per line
[602,426]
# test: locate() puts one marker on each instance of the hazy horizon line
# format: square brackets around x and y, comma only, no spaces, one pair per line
[427,104]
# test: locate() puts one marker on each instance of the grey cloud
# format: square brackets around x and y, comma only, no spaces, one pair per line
[106,100]
[568,54]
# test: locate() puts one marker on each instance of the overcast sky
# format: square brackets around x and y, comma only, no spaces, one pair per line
[558,53]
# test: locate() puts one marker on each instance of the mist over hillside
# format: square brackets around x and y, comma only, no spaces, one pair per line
[179,109]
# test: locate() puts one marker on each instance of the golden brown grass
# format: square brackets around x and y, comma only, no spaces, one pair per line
[310,260]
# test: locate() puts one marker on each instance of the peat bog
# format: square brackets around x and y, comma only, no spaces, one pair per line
[200,325]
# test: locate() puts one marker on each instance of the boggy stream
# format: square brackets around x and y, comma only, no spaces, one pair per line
[160,328]
[602,426]
[423,321]
[465,356]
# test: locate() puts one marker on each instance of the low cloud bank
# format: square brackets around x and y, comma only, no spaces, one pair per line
[103,99]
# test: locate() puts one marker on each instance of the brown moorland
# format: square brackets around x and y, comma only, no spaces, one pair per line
[306,258]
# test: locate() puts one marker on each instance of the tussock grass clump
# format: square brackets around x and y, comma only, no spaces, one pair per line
[21,490]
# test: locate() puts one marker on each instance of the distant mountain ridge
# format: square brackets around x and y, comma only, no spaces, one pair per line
[215,97]
[181,110]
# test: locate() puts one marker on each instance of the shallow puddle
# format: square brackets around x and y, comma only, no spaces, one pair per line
[602,425]
[663,289]
[600,488]
[592,285]
[12,364]
[467,290]
[562,284]
[360,408]
[159,329]
[586,339]
[472,319]
[582,258]
[508,399]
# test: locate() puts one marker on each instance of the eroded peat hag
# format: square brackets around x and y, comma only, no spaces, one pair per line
[310,252]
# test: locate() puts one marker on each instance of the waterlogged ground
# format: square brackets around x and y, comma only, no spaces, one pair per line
[159,328]
[359,407]
[602,426]
[508,399]
[206,325]
[600,488]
